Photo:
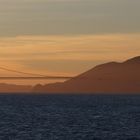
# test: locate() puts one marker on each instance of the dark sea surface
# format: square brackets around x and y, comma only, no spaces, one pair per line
[69,117]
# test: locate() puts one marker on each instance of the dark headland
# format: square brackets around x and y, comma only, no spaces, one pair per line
[112,77]
[108,78]
[12,88]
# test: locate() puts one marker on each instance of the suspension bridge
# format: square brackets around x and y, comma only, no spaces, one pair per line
[29,76]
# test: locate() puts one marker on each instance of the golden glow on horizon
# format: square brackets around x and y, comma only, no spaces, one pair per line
[41,54]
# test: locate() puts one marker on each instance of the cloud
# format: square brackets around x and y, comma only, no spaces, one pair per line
[68,17]
[64,55]
[53,49]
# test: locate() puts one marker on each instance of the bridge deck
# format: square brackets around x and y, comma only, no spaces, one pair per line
[34,78]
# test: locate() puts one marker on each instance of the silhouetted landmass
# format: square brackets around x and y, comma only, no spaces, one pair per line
[11,88]
[111,77]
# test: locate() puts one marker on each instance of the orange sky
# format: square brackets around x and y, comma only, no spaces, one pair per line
[64,55]
[66,37]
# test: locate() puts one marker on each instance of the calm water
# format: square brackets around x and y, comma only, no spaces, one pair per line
[69,117]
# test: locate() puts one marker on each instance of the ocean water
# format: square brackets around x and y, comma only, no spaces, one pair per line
[69,117]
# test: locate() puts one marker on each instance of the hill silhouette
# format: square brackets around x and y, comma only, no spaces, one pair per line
[112,77]
[11,88]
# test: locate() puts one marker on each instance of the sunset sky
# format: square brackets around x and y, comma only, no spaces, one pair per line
[67,37]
